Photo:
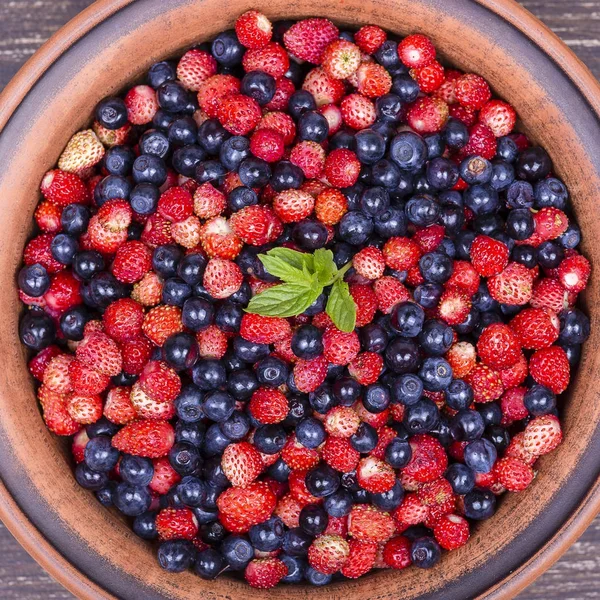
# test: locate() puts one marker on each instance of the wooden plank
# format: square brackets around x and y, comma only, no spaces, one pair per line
[26,24]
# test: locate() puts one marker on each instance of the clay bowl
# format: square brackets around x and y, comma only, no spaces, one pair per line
[88,548]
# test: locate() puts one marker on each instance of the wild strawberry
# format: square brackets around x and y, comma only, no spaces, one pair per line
[244,507]
[310,157]
[256,225]
[451,532]
[175,204]
[414,277]
[268,406]
[430,78]
[499,116]
[549,293]
[62,188]
[366,303]
[292,206]
[136,353]
[157,231]
[358,112]
[132,261]
[271,59]
[454,306]
[267,144]
[84,409]
[385,434]
[176,524]
[542,435]
[360,560]
[310,374]
[297,456]
[195,67]
[47,216]
[339,454]
[241,464]
[366,367]
[208,201]
[341,421]
[187,233]
[396,552]
[369,524]
[112,137]
[411,511]
[264,330]
[222,278]
[341,59]
[515,374]
[218,239]
[389,291]
[160,381]
[342,168]
[340,347]
[416,51]
[148,291]
[375,475]
[165,476]
[56,374]
[429,460]
[536,328]
[239,114]
[212,342]
[115,215]
[369,263]
[288,510]
[464,277]
[468,116]
[369,38]
[550,223]
[142,104]
[298,489]
[401,253]
[308,39]
[482,141]
[151,439]
[37,365]
[486,383]
[280,122]
[103,239]
[330,206]
[498,347]
[488,256]
[373,80]
[265,573]
[284,89]
[151,404]
[254,30]
[574,272]
[118,407]
[212,91]
[472,91]
[100,352]
[38,250]
[328,553]
[123,319]
[550,367]
[86,379]
[83,151]
[161,322]
[54,410]
[513,286]
[513,474]
[80,440]
[516,449]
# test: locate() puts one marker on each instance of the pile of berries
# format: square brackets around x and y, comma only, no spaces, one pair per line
[281,446]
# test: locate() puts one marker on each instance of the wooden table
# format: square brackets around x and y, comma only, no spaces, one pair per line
[25,24]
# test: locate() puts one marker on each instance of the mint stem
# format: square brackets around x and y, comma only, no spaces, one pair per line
[341,272]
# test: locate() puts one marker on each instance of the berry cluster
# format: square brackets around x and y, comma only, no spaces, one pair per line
[383,193]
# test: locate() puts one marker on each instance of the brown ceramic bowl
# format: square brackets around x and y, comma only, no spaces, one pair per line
[92,551]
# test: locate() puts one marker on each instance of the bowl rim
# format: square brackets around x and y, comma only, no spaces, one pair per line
[17,521]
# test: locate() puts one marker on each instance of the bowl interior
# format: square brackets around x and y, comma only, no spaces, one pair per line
[36,466]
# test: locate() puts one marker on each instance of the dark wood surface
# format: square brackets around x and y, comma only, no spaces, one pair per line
[26,24]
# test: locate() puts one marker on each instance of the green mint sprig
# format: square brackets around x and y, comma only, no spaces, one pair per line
[304,277]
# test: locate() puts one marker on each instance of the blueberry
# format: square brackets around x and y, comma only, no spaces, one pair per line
[425,553]
[525,255]
[386,174]
[322,480]
[428,294]
[389,108]
[259,85]
[254,172]
[387,56]
[132,500]
[313,519]
[285,176]
[74,219]
[467,425]
[242,384]
[551,192]
[422,210]
[503,175]
[271,372]
[436,145]
[144,526]
[34,280]
[237,552]
[461,478]
[172,97]
[406,88]
[355,228]
[519,195]
[499,436]
[197,314]
[136,470]
[312,126]
[574,326]
[307,342]
[209,563]
[436,337]
[175,291]
[573,352]
[549,255]
[148,169]
[111,113]
[184,458]
[489,224]
[229,317]
[533,164]
[156,143]
[346,391]
[118,160]
[322,399]
[481,199]
[190,432]
[249,352]
[436,267]
[571,238]
[218,406]
[370,146]
[310,235]
[463,244]
[342,139]
[402,355]
[279,471]
[456,134]
[89,479]
[37,330]
[162,119]
[491,413]
[421,417]
[406,389]
[180,351]
[479,504]
[270,439]
[300,102]
[365,438]
[103,290]
[161,72]
[296,542]
[295,568]
[102,427]
[507,149]
[100,455]
[211,136]
[476,170]
[389,500]
[436,374]
[539,400]
[376,398]
[176,556]
[373,338]
[374,201]
[144,198]
[310,432]
[353,195]
[124,379]
[317,578]
[441,173]
[183,131]
[186,159]
[480,455]
[407,319]
[227,50]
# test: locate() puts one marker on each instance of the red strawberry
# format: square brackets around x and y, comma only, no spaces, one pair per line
[310,374]
[83,152]
[411,511]
[100,352]
[454,306]
[366,303]
[512,405]
[161,322]
[375,475]
[536,328]
[212,91]
[265,573]
[339,454]
[574,272]
[160,381]
[187,232]
[271,59]
[264,330]
[472,91]
[358,111]
[47,216]
[62,188]
[38,250]
[542,435]
[123,319]
[54,409]
[396,552]
[486,383]
[360,560]
[550,367]
[288,510]
[148,291]
[550,223]
[307,39]
[482,141]
[56,374]
[280,122]
[241,464]
[341,421]
[341,59]
[330,206]
[499,116]
[195,67]
[218,239]
[464,277]
[369,263]
[389,291]
[150,406]
[254,30]
[498,347]
[157,231]
[340,347]
[369,524]
[284,89]
[239,114]
[175,204]
[222,278]
[549,293]
[513,474]
[241,508]
[462,358]
[325,89]
[385,434]
[136,353]
[63,293]
[370,38]
[416,51]
[118,408]
[103,239]
[132,261]
[208,201]
[516,374]
[268,406]
[165,476]
[342,167]
[373,80]
[112,137]
[513,286]
[151,439]
[212,342]
[256,225]
[328,554]
[401,253]
[292,206]
[366,367]
[267,144]
[516,449]
[37,365]
[451,532]
[429,460]
[141,104]
[430,78]
[489,256]
[80,440]
[298,489]
[176,524]
[297,456]
[310,157]
[86,379]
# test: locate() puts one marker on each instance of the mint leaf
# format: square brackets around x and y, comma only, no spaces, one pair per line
[286,272]
[325,267]
[293,257]
[341,307]
[286,300]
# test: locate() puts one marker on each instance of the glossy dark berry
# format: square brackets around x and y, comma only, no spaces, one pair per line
[270,439]
[237,552]
[533,164]
[209,563]
[425,553]
[144,526]
[184,458]
[480,455]
[180,351]
[479,504]
[322,481]
[136,470]
[227,49]
[111,113]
